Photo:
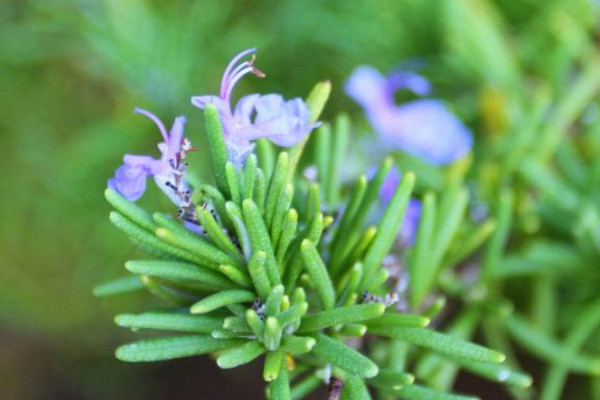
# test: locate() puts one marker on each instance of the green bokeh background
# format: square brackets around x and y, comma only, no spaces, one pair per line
[72,71]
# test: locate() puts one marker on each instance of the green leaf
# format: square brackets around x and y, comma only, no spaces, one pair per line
[496,372]
[305,386]
[222,299]
[392,379]
[279,389]
[341,132]
[258,274]
[339,316]
[260,240]
[283,206]
[297,344]
[273,333]
[292,316]
[544,346]
[217,149]
[240,355]
[318,273]
[249,176]
[215,231]
[355,389]
[255,323]
[388,228]
[169,321]
[422,267]
[233,183]
[273,303]
[130,210]
[236,275]
[343,357]
[235,214]
[122,285]
[315,102]
[178,270]
[440,343]
[276,186]
[168,348]
[140,234]
[396,319]
[272,366]
[203,252]
[417,392]
[288,232]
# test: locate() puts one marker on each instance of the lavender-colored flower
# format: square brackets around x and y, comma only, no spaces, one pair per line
[424,127]
[410,223]
[255,116]
[130,178]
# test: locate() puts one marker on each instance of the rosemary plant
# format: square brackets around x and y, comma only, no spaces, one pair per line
[268,261]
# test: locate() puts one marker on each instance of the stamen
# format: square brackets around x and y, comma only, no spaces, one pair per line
[227,80]
[235,79]
[156,121]
[231,65]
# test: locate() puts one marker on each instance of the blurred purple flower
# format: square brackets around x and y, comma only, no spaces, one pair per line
[130,178]
[255,116]
[410,223]
[424,128]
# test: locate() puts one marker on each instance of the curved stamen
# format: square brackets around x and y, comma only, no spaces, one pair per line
[226,82]
[235,80]
[232,64]
[156,121]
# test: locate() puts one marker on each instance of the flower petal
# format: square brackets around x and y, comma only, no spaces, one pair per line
[367,87]
[129,181]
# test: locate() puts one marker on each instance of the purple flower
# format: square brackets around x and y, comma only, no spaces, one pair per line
[130,178]
[424,127]
[410,223]
[255,116]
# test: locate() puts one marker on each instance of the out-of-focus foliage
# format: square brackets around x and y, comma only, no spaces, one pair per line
[524,75]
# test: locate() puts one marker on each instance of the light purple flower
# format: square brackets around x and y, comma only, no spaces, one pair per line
[410,223]
[130,178]
[255,116]
[423,127]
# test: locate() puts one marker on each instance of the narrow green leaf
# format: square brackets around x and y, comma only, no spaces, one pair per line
[273,303]
[260,240]
[272,366]
[260,190]
[266,156]
[422,268]
[276,186]
[169,291]
[203,252]
[118,286]
[215,231]
[355,389]
[258,274]
[353,330]
[297,345]
[306,386]
[343,357]
[392,379]
[169,321]
[288,232]
[217,149]
[318,273]
[178,270]
[235,214]
[494,252]
[388,228]
[315,102]
[236,276]
[279,389]
[341,132]
[221,299]
[417,392]
[233,183]
[440,343]
[240,355]
[496,372]
[140,234]
[130,210]
[255,323]
[168,348]
[236,324]
[283,206]
[544,346]
[340,316]
[292,316]
[273,333]
[396,319]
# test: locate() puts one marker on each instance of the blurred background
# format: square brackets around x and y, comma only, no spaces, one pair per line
[71,72]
